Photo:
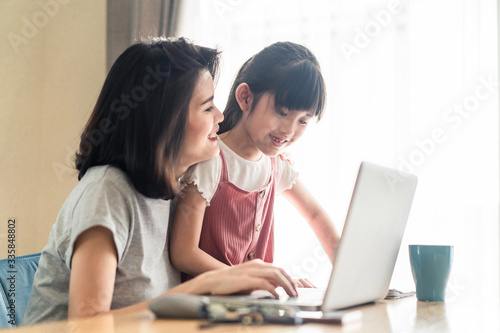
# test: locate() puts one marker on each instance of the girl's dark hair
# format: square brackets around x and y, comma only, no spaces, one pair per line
[287,70]
[138,123]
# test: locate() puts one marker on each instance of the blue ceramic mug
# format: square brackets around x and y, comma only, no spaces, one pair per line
[431,266]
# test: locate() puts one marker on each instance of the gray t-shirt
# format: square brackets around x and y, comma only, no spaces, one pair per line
[106,197]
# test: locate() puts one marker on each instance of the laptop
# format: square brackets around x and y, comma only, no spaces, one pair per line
[366,254]
[371,238]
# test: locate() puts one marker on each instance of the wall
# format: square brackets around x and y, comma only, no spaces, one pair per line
[51,69]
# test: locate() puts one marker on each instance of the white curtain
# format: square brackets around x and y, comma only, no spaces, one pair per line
[412,85]
[129,21]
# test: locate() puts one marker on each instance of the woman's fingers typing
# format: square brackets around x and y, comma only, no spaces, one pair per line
[304,283]
[250,276]
[243,284]
[275,275]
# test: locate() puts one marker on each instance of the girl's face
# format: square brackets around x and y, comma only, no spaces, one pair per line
[200,143]
[271,128]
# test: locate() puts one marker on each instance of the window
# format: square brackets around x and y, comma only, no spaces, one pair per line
[411,85]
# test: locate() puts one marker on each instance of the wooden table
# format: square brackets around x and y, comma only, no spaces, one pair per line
[462,314]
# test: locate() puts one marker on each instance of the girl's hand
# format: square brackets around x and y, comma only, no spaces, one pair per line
[247,277]
[303,283]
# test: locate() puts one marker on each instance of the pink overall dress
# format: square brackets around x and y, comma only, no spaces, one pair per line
[238,225]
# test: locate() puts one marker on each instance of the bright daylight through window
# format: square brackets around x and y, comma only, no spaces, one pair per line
[411,85]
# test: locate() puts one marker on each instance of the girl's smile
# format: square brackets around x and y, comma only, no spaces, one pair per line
[273,128]
[277,141]
[266,129]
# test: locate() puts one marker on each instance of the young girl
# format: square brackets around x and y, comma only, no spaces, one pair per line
[154,118]
[225,214]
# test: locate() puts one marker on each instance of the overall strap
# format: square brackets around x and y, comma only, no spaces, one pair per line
[223,175]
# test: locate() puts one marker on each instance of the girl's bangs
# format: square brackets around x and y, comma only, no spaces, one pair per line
[301,87]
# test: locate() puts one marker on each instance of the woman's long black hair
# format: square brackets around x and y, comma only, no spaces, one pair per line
[138,123]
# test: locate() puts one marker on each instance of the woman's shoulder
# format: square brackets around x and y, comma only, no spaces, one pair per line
[106,174]
[104,178]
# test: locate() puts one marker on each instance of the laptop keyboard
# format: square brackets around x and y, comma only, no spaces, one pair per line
[305,295]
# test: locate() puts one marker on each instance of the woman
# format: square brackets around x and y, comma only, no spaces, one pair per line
[108,249]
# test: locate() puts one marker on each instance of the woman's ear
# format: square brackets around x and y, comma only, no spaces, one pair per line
[244,96]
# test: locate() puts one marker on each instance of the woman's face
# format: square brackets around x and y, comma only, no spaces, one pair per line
[200,143]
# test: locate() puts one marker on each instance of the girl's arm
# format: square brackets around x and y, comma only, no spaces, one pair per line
[315,215]
[94,263]
[185,253]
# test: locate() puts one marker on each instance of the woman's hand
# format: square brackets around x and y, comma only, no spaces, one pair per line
[247,277]
[287,157]
[243,278]
[303,283]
